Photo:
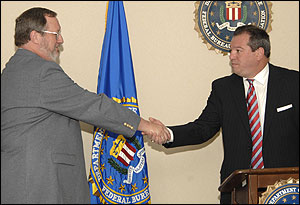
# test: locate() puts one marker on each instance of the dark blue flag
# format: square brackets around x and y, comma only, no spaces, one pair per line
[118,165]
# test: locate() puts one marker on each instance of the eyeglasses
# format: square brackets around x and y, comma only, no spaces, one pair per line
[52,32]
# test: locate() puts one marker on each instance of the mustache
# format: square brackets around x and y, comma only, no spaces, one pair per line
[60,48]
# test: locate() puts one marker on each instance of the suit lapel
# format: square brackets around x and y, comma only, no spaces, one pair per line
[272,93]
[238,94]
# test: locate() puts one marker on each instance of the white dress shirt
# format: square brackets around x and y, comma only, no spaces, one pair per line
[260,85]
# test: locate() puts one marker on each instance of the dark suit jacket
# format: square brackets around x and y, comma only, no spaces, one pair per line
[226,109]
[42,157]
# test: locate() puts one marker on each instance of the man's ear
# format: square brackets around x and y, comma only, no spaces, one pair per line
[260,52]
[35,37]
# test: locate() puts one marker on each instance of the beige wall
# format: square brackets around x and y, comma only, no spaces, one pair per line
[173,71]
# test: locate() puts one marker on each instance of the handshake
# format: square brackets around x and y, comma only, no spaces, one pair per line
[155,130]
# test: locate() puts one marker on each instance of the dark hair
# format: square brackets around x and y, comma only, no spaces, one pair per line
[32,19]
[258,38]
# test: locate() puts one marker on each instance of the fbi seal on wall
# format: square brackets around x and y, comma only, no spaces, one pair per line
[282,192]
[215,21]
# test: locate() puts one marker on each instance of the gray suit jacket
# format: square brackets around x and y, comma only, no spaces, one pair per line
[42,158]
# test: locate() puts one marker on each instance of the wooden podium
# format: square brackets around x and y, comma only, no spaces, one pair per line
[247,185]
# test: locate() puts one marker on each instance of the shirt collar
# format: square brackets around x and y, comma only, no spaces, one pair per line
[262,76]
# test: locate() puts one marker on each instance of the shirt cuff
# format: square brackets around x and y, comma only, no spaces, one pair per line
[172,136]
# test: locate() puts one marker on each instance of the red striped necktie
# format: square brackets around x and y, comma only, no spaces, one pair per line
[255,127]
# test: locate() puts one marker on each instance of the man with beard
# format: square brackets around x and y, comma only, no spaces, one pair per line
[42,158]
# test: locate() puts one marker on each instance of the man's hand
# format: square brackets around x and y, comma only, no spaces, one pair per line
[155,130]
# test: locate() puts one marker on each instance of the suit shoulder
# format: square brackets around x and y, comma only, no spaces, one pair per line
[27,61]
[225,80]
[291,77]
[285,72]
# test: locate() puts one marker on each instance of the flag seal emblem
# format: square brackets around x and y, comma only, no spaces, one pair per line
[114,169]
[282,192]
[119,172]
[215,21]
[124,162]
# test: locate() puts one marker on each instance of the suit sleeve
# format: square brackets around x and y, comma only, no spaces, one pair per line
[59,93]
[203,128]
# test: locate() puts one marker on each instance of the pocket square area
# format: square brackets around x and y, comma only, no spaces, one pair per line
[280,109]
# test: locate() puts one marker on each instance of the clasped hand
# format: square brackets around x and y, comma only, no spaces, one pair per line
[156,131]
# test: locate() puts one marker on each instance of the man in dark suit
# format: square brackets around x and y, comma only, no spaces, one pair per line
[42,157]
[277,94]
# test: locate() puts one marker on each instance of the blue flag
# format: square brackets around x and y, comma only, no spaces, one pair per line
[118,165]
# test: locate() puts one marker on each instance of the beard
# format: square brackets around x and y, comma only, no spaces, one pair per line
[54,56]
[50,54]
